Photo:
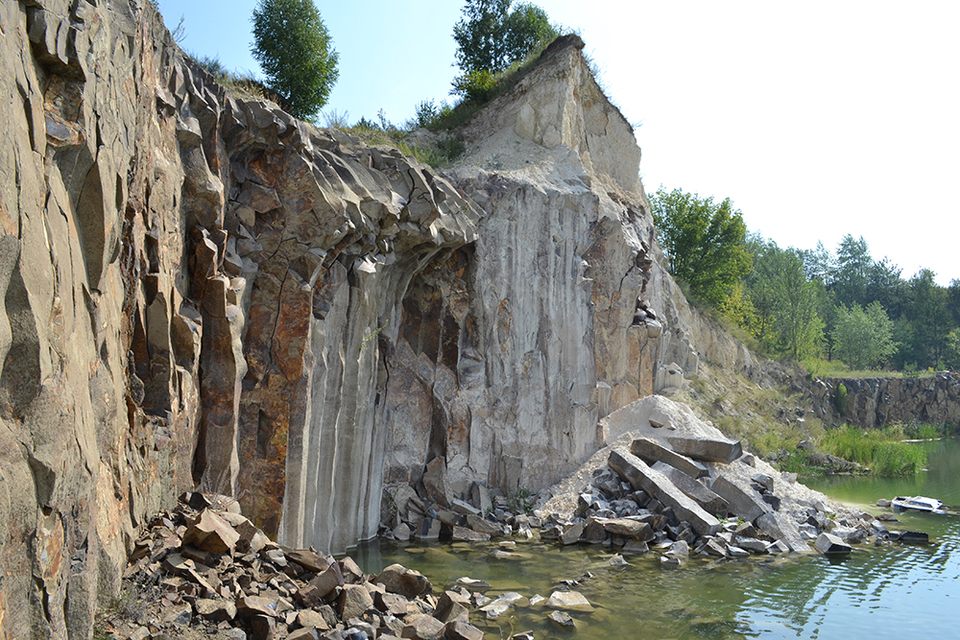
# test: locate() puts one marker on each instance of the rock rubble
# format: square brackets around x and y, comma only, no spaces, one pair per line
[217,573]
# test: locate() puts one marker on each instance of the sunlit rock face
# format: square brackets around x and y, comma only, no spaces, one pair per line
[202,292]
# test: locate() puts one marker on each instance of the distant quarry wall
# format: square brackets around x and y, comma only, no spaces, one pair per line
[875,402]
[200,291]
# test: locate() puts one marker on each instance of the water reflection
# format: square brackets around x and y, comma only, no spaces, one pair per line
[893,591]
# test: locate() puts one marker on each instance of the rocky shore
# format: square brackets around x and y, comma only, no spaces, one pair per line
[671,485]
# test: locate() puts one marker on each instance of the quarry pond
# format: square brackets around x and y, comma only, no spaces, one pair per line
[892,591]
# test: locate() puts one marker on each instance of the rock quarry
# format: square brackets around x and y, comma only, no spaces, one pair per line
[202,293]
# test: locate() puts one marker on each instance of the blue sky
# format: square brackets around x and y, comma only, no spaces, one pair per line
[817,119]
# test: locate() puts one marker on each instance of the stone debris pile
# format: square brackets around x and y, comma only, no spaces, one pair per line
[475,516]
[216,573]
[702,495]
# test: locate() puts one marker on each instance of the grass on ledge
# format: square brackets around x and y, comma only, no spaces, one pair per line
[882,451]
[835,369]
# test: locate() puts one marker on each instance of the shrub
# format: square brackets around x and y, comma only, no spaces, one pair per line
[840,399]
[475,86]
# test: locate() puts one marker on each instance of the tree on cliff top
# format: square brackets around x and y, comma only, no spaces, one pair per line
[490,37]
[704,241]
[294,49]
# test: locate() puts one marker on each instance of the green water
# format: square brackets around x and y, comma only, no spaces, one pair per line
[896,591]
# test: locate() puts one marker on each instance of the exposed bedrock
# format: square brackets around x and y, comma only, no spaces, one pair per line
[200,292]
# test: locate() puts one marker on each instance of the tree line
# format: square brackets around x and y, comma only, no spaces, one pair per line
[808,304]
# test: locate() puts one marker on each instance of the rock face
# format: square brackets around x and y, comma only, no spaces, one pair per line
[202,292]
[875,402]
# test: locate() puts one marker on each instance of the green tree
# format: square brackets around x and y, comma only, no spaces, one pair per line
[704,241]
[787,302]
[295,51]
[490,37]
[863,338]
[528,27]
[818,264]
[852,270]
[953,301]
[928,322]
[884,285]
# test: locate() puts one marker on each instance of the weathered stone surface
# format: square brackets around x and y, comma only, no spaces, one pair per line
[452,607]
[569,601]
[248,608]
[263,627]
[211,533]
[309,560]
[707,449]
[464,508]
[354,600]
[831,545]
[482,525]
[310,619]
[628,529]
[743,502]
[572,533]
[640,476]
[422,627]
[562,618]
[876,402]
[409,583]
[783,529]
[327,581]
[652,452]
[463,534]
[501,604]
[215,610]
[461,630]
[694,489]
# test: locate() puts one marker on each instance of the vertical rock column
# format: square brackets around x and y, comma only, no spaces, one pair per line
[222,369]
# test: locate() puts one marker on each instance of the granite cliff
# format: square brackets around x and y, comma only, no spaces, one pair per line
[203,292]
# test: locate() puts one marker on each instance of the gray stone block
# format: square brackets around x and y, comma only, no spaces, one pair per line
[707,449]
[744,503]
[694,489]
[651,451]
[641,476]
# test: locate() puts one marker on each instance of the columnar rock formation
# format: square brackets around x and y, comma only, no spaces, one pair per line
[202,292]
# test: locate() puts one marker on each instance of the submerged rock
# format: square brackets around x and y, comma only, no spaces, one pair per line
[568,601]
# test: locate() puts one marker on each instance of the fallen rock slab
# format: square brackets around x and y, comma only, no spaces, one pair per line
[707,449]
[694,489]
[641,476]
[211,533]
[628,528]
[743,504]
[651,452]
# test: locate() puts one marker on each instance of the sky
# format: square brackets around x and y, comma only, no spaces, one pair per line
[817,119]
